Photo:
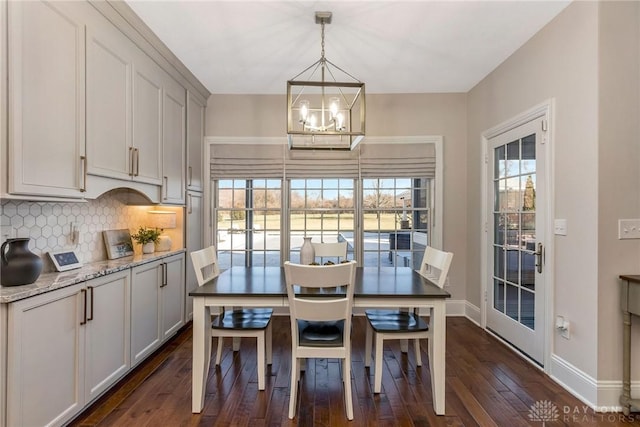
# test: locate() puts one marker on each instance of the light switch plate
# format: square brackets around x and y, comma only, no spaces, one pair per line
[560,227]
[629,229]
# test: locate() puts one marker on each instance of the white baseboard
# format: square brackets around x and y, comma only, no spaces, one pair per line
[472,313]
[601,396]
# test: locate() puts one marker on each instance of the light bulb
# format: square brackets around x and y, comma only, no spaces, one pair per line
[334,107]
[304,111]
[340,121]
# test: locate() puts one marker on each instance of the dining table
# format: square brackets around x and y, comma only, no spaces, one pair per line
[375,287]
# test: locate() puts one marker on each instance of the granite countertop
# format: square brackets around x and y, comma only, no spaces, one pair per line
[51,281]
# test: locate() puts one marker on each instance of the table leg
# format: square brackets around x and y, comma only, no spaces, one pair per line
[437,355]
[201,349]
[625,399]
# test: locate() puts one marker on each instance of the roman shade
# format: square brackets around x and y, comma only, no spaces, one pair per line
[370,160]
[392,160]
[242,161]
[321,164]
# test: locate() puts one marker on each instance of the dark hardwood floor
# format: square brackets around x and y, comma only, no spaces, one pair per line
[487,385]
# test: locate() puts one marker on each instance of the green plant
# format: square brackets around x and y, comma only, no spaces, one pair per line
[146,235]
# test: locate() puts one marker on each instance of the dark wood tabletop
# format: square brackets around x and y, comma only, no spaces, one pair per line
[371,282]
[634,278]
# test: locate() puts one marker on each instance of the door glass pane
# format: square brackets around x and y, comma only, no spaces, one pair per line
[513,158]
[528,163]
[527,304]
[498,262]
[514,234]
[498,295]
[512,301]
[499,163]
[527,273]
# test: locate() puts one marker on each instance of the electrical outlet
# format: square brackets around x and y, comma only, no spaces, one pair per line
[564,327]
[629,229]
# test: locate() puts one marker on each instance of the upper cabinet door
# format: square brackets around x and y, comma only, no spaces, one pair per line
[173,142]
[109,114]
[46,46]
[147,120]
[195,141]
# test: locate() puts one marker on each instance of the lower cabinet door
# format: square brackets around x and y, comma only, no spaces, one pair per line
[172,295]
[45,358]
[107,351]
[145,310]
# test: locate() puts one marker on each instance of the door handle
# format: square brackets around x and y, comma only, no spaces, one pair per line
[131,160]
[83,161]
[84,316]
[539,257]
[91,299]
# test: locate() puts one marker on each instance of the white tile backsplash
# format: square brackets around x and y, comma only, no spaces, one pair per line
[49,225]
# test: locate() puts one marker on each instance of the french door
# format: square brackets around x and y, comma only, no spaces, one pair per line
[516,224]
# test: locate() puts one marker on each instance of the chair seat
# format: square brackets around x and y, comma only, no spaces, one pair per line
[243,319]
[390,321]
[320,334]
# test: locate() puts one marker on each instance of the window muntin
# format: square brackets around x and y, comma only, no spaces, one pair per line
[323,209]
[394,215]
[248,222]
[395,221]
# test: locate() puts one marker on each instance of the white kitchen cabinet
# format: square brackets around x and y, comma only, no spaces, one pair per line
[46,99]
[107,332]
[195,141]
[45,358]
[173,142]
[157,304]
[66,347]
[145,310]
[194,241]
[123,108]
[147,119]
[172,295]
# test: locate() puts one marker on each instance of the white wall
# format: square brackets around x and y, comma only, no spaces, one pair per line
[576,61]
[387,115]
[618,174]
[596,163]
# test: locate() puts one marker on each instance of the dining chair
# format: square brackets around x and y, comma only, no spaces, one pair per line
[337,250]
[235,322]
[320,306]
[404,323]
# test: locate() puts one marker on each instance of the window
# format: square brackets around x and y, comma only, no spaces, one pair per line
[322,209]
[395,221]
[384,199]
[248,224]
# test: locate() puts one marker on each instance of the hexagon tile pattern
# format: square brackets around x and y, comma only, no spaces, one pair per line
[49,225]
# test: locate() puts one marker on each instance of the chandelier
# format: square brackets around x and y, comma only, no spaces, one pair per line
[324,113]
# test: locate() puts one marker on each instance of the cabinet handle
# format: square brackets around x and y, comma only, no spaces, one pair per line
[137,162]
[164,275]
[190,204]
[190,175]
[131,154]
[84,296]
[91,291]
[83,160]
[166,187]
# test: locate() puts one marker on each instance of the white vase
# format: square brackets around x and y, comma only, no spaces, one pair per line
[148,248]
[307,253]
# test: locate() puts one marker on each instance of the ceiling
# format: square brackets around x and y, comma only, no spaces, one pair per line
[254,47]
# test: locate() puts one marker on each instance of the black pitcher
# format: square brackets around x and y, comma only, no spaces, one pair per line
[19,265]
